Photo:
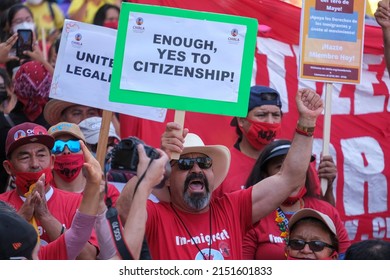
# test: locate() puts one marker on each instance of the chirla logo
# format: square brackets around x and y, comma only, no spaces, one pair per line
[77,40]
[139,21]
[233,39]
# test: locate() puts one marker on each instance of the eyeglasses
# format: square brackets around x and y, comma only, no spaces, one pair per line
[59,146]
[188,163]
[315,246]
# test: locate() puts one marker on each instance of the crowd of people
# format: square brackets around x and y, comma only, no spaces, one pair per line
[259,199]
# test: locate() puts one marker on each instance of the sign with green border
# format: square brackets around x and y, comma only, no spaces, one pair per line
[184,60]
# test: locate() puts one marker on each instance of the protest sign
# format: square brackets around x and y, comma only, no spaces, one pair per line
[83,70]
[183,60]
[331,49]
[332,40]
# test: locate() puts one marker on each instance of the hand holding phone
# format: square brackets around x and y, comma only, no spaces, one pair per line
[24,43]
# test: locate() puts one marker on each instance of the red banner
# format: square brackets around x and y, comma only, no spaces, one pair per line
[360,126]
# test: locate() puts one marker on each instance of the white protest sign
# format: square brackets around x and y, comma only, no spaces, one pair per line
[83,69]
[179,56]
[183,60]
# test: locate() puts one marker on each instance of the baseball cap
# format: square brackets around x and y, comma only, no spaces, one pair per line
[257,99]
[66,128]
[27,133]
[311,213]
[18,238]
[91,129]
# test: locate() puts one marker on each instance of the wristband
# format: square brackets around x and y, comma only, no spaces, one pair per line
[304,130]
[62,229]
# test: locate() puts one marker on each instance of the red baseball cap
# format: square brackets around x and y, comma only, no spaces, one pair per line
[26,133]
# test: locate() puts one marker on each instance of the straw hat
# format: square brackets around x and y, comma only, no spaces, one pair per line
[53,110]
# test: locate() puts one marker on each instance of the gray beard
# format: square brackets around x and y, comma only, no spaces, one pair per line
[197,202]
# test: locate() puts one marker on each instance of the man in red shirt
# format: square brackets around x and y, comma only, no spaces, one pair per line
[50,210]
[194,225]
[259,128]
[19,239]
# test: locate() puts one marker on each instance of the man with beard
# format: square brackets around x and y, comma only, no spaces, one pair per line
[194,226]
[49,209]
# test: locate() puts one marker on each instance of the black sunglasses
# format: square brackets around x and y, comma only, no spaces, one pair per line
[188,163]
[315,246]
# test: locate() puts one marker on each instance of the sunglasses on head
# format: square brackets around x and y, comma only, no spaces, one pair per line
[59,146]
[188,163]
[315,246]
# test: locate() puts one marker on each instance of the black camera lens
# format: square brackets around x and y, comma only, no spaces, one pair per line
[125,154]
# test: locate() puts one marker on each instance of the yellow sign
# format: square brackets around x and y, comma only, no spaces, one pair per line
[332,40]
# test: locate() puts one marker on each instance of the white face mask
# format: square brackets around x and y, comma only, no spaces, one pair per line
[34,2]
[24,25]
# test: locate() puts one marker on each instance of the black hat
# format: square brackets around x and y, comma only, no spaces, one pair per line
[18,238]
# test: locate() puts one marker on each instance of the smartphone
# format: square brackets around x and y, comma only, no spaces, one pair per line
[24,43]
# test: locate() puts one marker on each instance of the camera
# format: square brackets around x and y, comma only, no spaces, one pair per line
[125,155]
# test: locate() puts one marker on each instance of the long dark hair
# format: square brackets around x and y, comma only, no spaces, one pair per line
[100,15]
[13,10]
[259,170]
[6,78]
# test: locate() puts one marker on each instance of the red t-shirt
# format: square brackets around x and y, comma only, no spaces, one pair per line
[61,204]
[55,250]
[168,239]
[240,167]
[263,241]
[113,193]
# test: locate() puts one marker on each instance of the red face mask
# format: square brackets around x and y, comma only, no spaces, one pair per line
[23,180]
[111,24]
[261,133]
[292,199]
[68,167]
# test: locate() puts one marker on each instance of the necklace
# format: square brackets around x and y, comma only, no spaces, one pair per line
[282,221]
[188,232]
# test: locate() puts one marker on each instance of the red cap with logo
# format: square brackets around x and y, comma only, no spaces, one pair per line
[27,133]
